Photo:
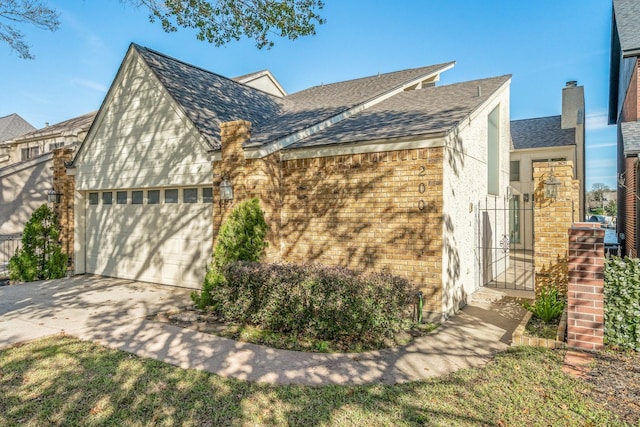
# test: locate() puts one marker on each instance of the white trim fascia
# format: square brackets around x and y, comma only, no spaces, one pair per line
[265,150]
[379,146]
[543,149]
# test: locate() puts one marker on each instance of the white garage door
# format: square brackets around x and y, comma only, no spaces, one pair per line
[153,235]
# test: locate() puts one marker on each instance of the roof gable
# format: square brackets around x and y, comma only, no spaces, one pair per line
[74,125]
[262,80]
[541,132]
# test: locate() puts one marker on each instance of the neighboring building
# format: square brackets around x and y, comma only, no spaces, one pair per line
[545,139]
[382,172]
[623,111]
[12,126]
[25,179]
[40,141]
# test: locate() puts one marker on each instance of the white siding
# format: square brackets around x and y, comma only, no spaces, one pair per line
[465,184]
[141,140]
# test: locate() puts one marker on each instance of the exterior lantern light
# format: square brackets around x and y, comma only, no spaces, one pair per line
[226,190]
[551,186]
[53,196]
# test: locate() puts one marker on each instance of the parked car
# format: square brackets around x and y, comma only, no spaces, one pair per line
[606,221]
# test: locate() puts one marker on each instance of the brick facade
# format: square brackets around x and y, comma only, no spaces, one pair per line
[65,185]
[552,219]
[585,310]
[357,211]
[630,208]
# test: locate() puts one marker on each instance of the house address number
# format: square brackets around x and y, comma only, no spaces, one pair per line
[422,205]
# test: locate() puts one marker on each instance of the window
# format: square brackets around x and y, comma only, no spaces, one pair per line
[121,197]
[190,195]
[93,198]
[514,219]
[514,170]
[153,197]
[171,196]
[207,195]
[29,152]
[107,198]
[137,197]
[493,152]
[55,145]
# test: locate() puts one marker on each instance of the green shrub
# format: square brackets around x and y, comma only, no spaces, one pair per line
[40,256]
[548,305]
[622,302]
[241,238]
[326,303]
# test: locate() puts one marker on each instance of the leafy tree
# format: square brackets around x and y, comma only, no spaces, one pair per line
[597,192]
[221,21]
[24,12]
[216,21]
[611,208]
[40,256]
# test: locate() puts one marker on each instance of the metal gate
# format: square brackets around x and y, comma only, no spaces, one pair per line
[9,245]
[505,243]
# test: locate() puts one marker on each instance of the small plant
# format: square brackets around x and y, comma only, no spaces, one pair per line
[40,256]
[547,306]
[242,237]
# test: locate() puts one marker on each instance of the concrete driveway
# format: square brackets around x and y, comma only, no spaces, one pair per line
[112,312]
[80,305]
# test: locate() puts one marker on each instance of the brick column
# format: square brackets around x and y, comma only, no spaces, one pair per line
[65,185]
[585,314]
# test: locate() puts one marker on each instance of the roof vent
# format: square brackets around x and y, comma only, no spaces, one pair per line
[46,124]
[479,91]
[572,83]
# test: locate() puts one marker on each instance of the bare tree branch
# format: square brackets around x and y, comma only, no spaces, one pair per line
[18,12]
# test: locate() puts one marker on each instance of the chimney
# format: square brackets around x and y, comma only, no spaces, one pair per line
[572,105]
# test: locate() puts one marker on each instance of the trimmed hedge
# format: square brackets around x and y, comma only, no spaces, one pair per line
[622,302]
[327,303]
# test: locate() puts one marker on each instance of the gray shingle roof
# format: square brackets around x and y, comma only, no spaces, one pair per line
[82,122]
[411,113]
[541,132]
[319,103]
[631,137]
[627,16]
[12,126]
[209,99]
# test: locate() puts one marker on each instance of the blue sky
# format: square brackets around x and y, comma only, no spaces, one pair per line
[542,43]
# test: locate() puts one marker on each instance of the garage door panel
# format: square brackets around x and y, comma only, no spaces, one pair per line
[169,244]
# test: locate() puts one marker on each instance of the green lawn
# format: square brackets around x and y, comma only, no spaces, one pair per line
[64,381]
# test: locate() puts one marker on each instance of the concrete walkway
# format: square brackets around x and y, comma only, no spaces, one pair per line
[112,312]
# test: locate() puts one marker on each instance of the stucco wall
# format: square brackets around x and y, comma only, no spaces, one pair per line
[465,189]
[23,188]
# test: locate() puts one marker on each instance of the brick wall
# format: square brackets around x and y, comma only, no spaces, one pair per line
[360,211]
[357,211]
[552,218]
[65,185]
[585,310]
[630,208]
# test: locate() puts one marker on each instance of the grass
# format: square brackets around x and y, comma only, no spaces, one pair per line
[536,327]
[210,324]
[64,381]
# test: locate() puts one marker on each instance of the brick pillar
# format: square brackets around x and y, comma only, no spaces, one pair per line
[585,312]
[65,185]
[260,178]
[552,217]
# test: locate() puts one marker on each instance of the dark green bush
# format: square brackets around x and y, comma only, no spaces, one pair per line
[241,238]
[548,305]
[327,303]
[622,302]
[40,256]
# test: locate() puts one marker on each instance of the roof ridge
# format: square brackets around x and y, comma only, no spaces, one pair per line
[171,58]
[538,118]
[441,65]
